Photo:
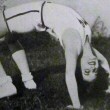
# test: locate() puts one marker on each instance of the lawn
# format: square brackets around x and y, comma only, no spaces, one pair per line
[47,63]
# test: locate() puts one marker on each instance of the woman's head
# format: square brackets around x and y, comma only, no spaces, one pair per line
[89,67]
[89,63]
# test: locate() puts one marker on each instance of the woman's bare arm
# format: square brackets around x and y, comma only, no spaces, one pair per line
[71,43]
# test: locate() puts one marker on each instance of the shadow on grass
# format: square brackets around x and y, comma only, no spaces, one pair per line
[52,92]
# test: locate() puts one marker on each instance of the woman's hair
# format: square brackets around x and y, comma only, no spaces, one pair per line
[98,85]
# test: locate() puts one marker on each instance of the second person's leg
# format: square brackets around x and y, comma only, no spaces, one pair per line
[19,56]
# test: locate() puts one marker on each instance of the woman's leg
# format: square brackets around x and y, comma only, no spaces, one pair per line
[19,56]
[20,59]
[6,86]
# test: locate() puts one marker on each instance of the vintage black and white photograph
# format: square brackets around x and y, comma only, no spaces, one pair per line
[54,55]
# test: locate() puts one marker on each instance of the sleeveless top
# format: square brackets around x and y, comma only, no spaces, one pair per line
[51,16]
[59,17]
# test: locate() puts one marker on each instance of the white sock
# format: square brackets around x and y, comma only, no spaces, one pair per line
[20,59]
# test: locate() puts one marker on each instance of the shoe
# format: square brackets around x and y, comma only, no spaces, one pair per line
[30,84]
[70,107]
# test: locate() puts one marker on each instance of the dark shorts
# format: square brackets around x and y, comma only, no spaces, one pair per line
[12,40]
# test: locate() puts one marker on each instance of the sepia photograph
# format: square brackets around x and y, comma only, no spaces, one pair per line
[54,55]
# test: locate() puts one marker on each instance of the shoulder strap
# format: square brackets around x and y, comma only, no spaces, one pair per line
[42,20]
[5,19]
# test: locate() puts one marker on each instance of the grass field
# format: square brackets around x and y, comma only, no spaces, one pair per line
[47,63]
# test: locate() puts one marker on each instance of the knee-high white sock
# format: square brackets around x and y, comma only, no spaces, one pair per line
[21,61]
[6,86]
[2,71]
[3,77]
